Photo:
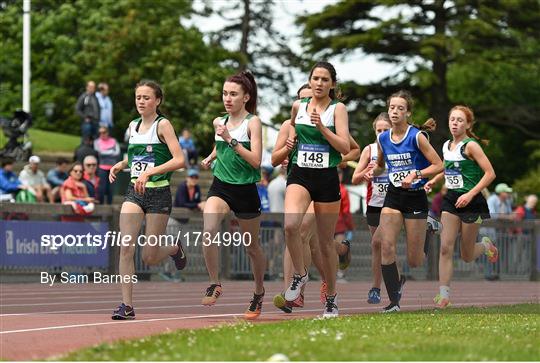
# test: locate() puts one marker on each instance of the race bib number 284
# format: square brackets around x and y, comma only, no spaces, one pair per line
[397,177]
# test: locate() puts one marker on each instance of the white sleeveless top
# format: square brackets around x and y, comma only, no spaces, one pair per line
[379,184]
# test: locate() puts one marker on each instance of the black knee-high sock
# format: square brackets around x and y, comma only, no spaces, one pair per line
[427,243]
[391,281]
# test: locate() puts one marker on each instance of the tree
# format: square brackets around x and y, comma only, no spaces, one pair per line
[440,50]
[119,42]
[261,48]
[423,40]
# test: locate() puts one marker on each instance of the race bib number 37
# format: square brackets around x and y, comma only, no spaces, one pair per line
[454,179]
[140,164]
[313,156]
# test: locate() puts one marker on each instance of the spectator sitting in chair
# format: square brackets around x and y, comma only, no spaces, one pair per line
[84,149]
[9,182]
[34,178]
[74,193]
[57,176]
[188,194]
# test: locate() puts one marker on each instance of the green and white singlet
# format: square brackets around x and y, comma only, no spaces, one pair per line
[314,151]
[147,151]
[230,167]
[461,174]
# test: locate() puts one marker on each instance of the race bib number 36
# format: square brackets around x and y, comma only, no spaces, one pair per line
[313,156]
[140,164]
[454,179]
[380,185]
[397,177]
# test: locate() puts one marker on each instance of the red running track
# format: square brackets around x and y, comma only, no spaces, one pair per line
[63,318]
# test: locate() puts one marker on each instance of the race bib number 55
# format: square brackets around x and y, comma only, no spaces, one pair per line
[313,156]
[454,179]
[140,164]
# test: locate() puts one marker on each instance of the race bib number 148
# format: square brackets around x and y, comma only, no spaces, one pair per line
[313,156]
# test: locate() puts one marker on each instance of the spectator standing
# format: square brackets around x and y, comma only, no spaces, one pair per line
[84,149]
[262,188]
[500,207]
[276,191]
[188,145]
[105,106]
[34,178]
[87,108]
[188,194]
[9,182]
[500,203]
[56,177]
[90,178]
[109,152]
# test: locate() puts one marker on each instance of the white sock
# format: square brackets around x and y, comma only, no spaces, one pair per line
[444,291]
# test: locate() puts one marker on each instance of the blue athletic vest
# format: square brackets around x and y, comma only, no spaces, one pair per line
[403,157]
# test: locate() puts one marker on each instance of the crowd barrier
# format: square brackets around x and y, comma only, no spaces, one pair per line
[518,243]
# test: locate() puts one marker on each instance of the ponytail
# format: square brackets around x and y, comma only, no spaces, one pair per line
[247,81]
[469,116]
[470,133]
[430,125]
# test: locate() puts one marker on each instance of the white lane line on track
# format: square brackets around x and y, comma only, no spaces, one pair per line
[202,317]
[90,288]
[227,297]
[111,295]
[149,308]
[49,293]
[110,309]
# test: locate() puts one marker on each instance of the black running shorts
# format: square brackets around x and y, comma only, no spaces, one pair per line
[243,199]
[154,200]
[322,184]
[413,204]
[373,215]
[474,212]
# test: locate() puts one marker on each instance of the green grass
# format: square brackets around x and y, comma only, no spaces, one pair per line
[49,141]
[498,333]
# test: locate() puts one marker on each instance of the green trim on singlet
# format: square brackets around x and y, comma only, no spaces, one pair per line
[469,169]
[230,167]
[156,184]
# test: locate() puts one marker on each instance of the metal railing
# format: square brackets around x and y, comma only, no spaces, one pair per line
[517,242]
